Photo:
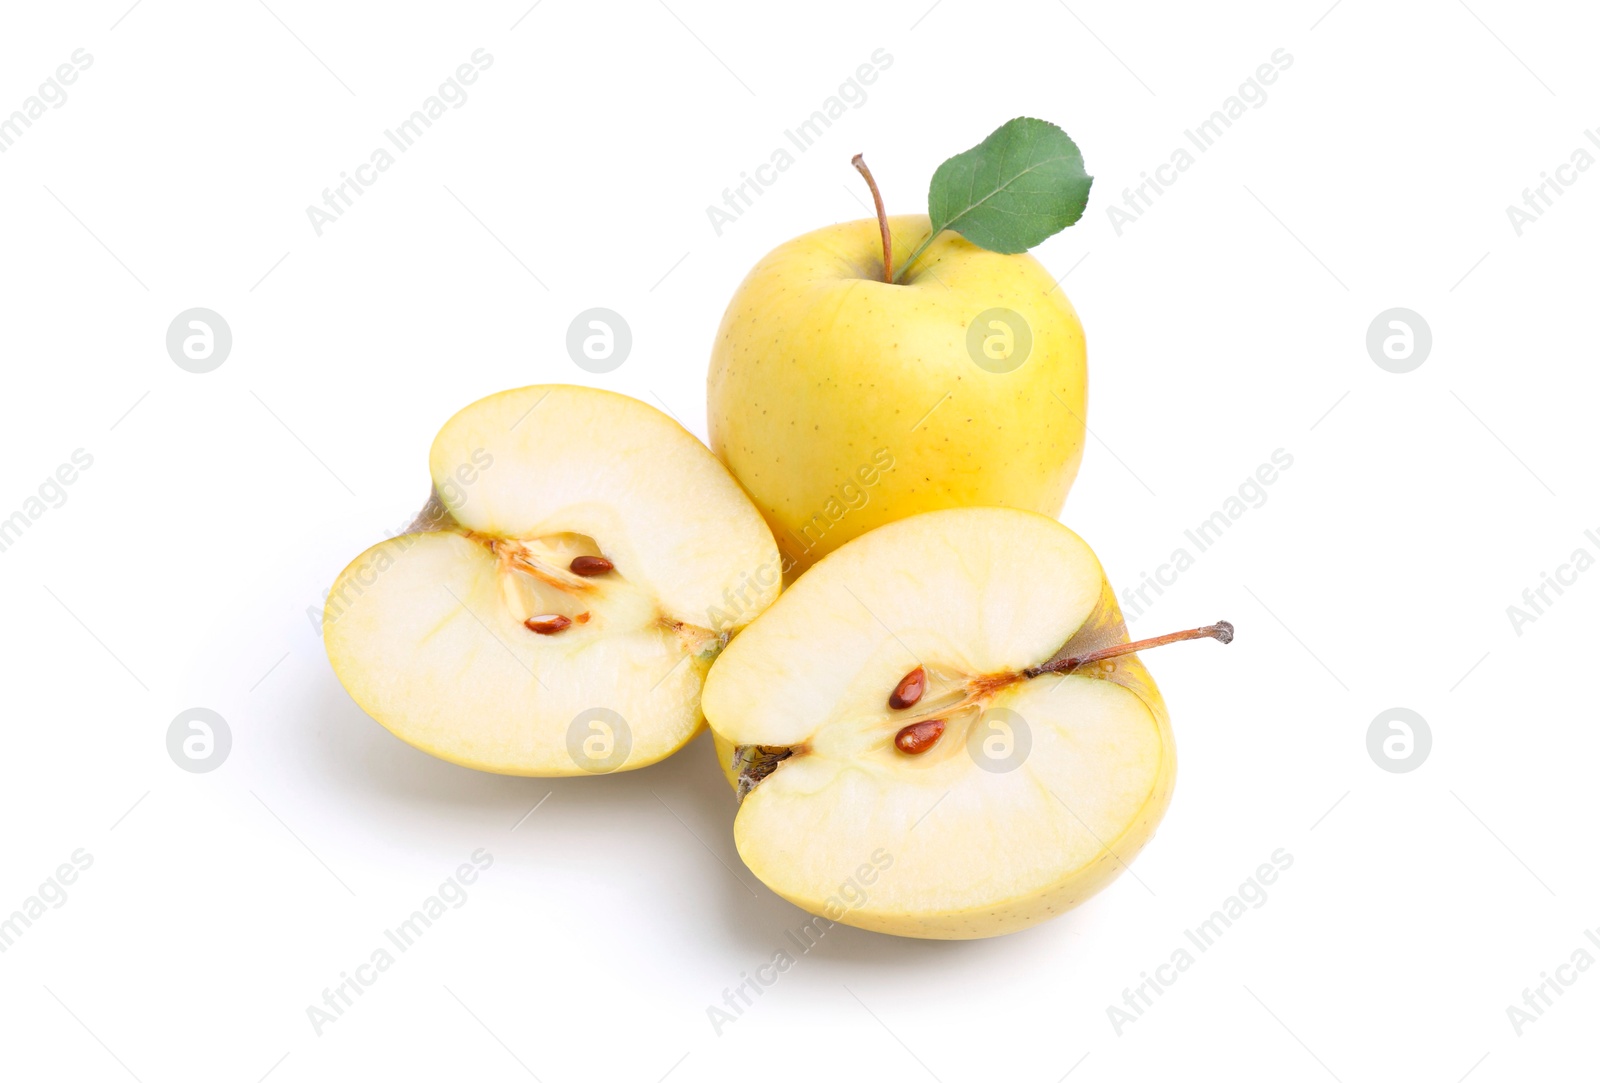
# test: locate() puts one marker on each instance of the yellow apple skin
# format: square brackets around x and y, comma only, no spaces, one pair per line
[841,402]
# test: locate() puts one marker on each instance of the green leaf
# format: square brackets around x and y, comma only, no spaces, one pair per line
[1024,183]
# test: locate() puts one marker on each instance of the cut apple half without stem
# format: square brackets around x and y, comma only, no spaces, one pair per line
[941,730]
[555,608]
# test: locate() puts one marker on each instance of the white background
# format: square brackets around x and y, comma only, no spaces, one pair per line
[1227,322]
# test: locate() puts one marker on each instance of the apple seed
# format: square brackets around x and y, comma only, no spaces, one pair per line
[918,737]
[547,624]
[589,567]
[909,690]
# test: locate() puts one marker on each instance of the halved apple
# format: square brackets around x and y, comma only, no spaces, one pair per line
[554,610]
[940,731]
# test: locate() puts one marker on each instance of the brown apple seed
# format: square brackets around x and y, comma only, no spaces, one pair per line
[918,737]
[909,690]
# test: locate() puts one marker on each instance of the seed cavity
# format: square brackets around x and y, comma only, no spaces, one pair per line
[589,567]
[918,737]
[547,624]
[753,763]
[909,690]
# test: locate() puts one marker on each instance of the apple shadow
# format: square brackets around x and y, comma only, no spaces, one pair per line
[422,802]
[345,750]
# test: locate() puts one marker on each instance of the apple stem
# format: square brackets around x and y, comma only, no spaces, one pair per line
[1222,630]
[883,219]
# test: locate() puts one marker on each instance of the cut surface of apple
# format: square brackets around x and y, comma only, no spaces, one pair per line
[1036,788]
[555,608]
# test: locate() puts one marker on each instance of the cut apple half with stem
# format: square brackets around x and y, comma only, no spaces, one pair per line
[941,730]
[556,606]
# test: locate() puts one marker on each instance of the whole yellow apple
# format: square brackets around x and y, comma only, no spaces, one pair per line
[842,402]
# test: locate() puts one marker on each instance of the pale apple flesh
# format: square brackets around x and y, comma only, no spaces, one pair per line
[430,631]
[1040,789]
[841,402]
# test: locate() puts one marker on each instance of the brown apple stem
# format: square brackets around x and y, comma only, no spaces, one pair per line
[883,219]
[1222,630]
